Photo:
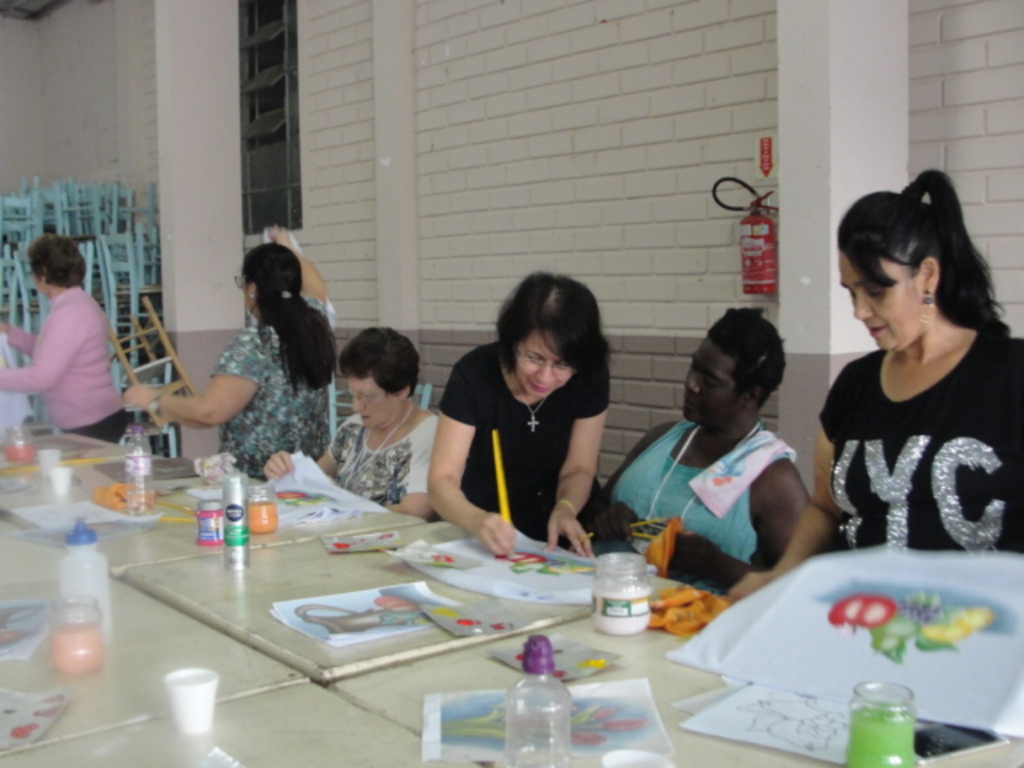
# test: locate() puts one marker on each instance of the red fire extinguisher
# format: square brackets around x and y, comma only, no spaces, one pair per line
[760,266]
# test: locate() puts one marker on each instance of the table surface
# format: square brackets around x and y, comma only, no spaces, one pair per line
[170,538]
[397,693]
[302,725]
[238,604]
[268,713]
[149,640]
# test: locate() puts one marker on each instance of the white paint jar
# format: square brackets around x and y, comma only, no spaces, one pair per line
[622,594]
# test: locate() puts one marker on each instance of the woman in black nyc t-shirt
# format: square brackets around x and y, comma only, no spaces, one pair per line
[922,442]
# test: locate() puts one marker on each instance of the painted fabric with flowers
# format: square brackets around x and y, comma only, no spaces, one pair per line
[945,624]
[469,726]
[530,573]
[925,620]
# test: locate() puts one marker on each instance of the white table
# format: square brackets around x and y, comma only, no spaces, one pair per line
[148,641]
[397,693]
[238,604]
[170,538]
[302,725]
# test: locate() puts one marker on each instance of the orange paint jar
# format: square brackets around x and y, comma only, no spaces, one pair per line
[262,509]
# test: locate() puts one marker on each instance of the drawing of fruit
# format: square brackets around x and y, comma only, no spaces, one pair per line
[919,619]
[961,624]
[862,610]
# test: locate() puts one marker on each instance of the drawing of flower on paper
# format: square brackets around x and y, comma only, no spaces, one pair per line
[922,619]
[470,725]
[525,562]
[592,725]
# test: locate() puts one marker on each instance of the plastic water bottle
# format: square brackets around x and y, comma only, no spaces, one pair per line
[138,473]
[84,572]
[537,712]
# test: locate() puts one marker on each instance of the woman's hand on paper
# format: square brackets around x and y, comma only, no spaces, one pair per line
[563,522]
[278,465]
[495,534]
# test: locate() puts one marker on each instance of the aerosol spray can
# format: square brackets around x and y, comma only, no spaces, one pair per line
[236,522]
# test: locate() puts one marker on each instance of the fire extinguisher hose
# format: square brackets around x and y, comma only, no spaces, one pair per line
[758,202]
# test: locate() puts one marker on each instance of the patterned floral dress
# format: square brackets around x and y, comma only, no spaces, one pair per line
[279,417]
[384,476]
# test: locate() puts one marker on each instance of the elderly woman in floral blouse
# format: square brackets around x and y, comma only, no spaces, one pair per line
[269,389]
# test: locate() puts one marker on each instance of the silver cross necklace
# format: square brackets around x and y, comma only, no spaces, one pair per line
[532,423]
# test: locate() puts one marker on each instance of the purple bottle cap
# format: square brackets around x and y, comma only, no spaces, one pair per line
[538,656]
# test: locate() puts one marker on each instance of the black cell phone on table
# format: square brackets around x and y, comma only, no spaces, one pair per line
[934,742]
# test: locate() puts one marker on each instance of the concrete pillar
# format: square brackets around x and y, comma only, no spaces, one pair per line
[843,132]
[200,168]
[394,136]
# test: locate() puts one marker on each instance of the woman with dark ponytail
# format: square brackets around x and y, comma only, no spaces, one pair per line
[268,391]
[922,442]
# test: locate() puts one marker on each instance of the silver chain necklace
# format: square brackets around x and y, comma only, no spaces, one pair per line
[532,423]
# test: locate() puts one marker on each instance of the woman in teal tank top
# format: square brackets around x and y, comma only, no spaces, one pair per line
[732,483]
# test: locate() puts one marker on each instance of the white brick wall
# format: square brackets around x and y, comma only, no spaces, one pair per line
[967,117]
[604,125]
[576,135]
[339,160]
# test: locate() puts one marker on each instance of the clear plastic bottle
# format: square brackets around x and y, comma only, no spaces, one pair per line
[84,572]
[538,709]
[138,473]
[77,640]
[19,448]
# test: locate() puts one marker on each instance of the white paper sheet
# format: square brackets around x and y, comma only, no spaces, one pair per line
[949,625]
[14,406]
[530,574]
[306,495]
[358,617]
[803,725]
[469,726]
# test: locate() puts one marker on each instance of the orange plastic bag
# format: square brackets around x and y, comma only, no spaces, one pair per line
[685,610]
[113,497]
[663,546]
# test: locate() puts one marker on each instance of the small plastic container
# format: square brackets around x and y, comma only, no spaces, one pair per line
[882,721]
[18,449]
[77,639]
[262,509]
[622,594]
[538,712]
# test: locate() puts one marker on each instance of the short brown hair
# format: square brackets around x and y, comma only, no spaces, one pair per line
[56,259]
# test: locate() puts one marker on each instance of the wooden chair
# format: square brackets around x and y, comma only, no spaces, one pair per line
[147,356]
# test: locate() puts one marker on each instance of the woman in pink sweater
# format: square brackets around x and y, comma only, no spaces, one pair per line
[70,357]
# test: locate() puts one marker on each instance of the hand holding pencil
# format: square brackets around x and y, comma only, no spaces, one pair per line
[497,532]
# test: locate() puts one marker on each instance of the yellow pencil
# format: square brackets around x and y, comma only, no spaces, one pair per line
[95,460]
[178,507]
[66,463]
[176,520]
[499,471]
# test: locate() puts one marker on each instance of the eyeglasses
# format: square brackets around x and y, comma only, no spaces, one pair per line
[358,397]
[535,361]
[239,281]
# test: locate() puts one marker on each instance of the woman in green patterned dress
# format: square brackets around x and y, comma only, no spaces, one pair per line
[268,391]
